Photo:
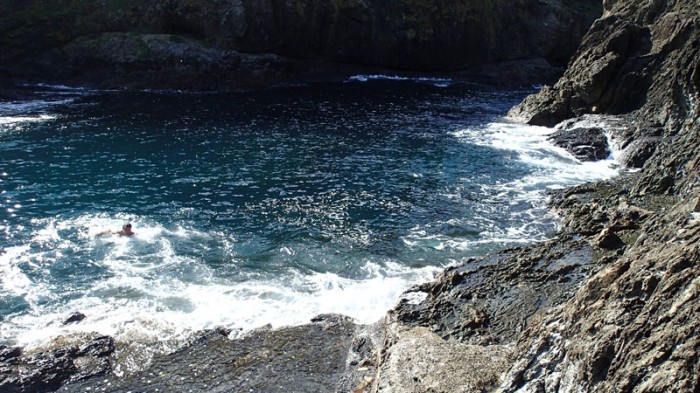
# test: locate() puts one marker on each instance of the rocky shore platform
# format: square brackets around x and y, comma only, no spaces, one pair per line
[611,304]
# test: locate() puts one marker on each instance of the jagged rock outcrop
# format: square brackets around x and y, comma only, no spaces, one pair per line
[47,370]
[637,55]
[218,44]
[640,61]
[632,326]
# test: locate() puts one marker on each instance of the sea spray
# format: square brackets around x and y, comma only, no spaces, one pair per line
[256,208]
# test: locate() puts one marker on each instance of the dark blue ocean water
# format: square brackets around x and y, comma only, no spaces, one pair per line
[258,207]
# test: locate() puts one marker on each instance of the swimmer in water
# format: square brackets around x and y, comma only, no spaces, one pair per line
[126,231]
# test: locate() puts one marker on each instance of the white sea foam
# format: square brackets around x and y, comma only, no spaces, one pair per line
[16,113]
[143,290]
[48,86]
[147,289]
[519,202]
[12,280]
[554,166]
[37,110]
[438,82]
[4,120]
[611,124]
[21,107]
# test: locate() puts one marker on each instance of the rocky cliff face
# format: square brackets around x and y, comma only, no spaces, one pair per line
[210,43]
[633,326]
[611,305]
[640,61]
[639,55]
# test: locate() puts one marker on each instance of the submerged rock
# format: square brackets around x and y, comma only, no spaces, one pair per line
[75,317]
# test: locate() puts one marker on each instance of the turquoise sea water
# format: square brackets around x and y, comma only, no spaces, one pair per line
[257,207]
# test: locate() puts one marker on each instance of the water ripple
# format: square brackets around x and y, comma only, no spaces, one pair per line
[261,207]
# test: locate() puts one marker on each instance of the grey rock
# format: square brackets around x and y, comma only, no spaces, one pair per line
[631,326]
[7,353]
[308,358]
[620,65]
[561,315]
[489,300]
[628,302]
[607,239]
[99,347]
[75,317]
[46,370]
[419,360]
[636,154]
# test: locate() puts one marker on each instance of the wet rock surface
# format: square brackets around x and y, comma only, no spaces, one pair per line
[75,317]
[586,144]
[329,354]
[48,370]
[633,326]
[490,300]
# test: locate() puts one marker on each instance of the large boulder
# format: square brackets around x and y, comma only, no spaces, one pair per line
[638,151]
[585,143]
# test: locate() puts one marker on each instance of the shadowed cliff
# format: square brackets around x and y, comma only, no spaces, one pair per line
[215,44]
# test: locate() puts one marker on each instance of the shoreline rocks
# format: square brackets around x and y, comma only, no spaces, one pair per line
[586,144]
[330,353]
[629,327]
[48,370]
